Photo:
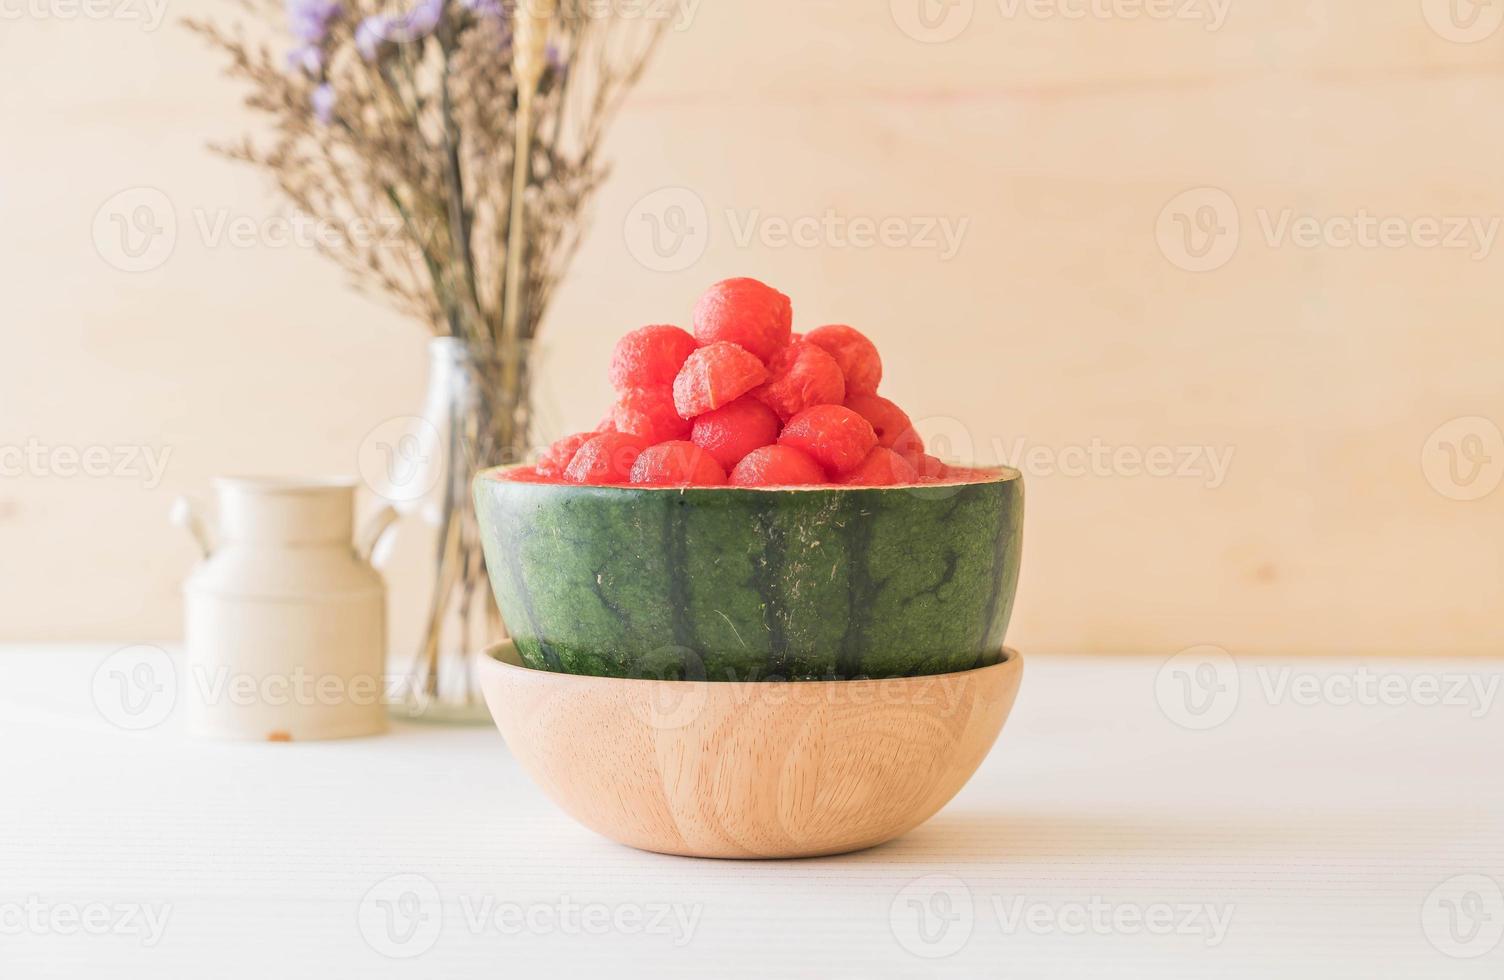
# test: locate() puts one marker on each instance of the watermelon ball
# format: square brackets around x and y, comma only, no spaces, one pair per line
[650,356]
[650,413]
[888,421]
[930,469]
[802,375]
[834,436]
[732,431]
[856,355]
[910,445]
[553,460]
[676,464]
[606,457]
[748,313]
[716,375]
[882,468]
[776,466]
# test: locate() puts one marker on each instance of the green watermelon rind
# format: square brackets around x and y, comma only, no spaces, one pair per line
[737,584]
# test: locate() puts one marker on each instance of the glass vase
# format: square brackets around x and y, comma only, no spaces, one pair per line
[442,610]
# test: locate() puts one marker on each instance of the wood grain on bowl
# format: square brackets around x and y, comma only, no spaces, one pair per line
[749,770]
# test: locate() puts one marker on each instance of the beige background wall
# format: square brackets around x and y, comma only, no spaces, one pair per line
[1070,315]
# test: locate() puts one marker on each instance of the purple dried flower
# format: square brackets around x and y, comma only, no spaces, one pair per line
[322,100]
[422,19]
[307,58]
[309,20]
[485,8]
[414,25]
[370,34]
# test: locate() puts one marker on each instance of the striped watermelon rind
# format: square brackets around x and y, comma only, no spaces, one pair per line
[738,584]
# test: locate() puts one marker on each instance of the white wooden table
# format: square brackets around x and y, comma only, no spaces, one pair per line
[1318,830]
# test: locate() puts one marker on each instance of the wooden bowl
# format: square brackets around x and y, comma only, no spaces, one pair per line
[749,769]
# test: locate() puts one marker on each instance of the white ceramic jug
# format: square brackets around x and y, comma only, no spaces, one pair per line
[286,619]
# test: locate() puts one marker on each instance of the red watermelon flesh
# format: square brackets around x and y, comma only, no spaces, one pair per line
[744,400]
[834,436]
[650,356]
[732,431]
[677,464]
[556,457]
[857,356]
[745,312]
[776,466]
[650,413]
[606,458]
[882,468]
[714,376]
[802,375]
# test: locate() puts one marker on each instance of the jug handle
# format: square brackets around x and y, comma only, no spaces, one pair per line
[184,513]
[373,529]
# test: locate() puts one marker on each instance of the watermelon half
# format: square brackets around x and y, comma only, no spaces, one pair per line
[738,584]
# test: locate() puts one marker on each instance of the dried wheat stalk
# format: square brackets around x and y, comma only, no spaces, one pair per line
[397,129]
